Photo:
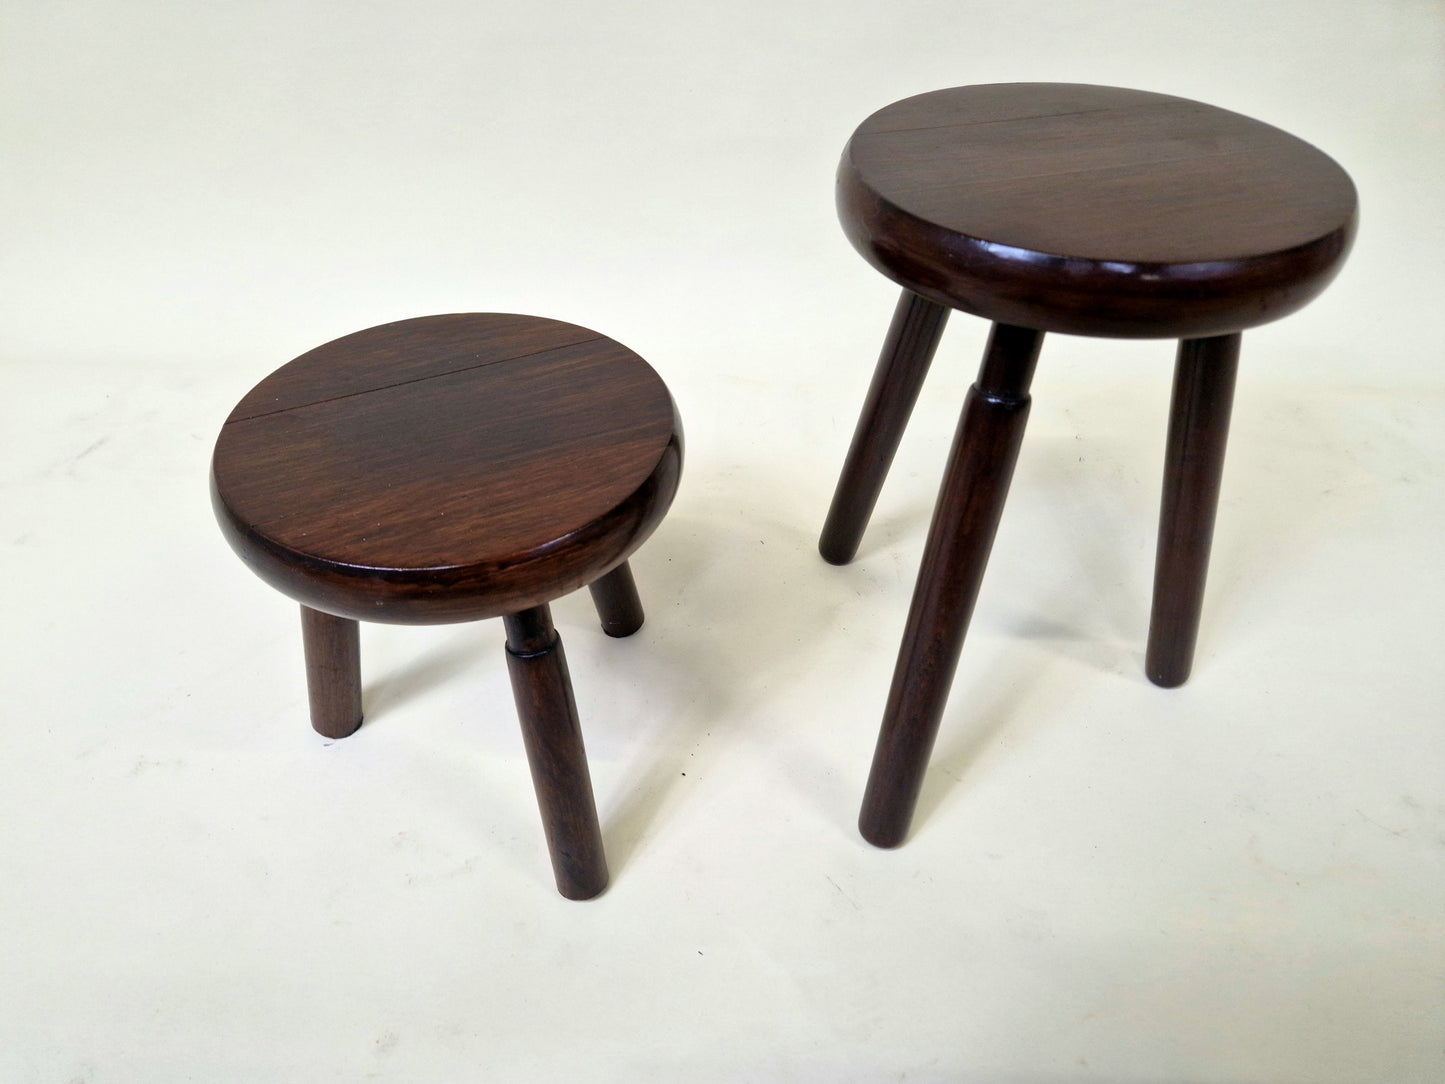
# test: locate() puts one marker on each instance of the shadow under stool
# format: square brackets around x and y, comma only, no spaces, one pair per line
[1047,207]
[455,468]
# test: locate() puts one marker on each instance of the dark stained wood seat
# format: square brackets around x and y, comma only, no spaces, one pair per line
[453,468]
[1079,209]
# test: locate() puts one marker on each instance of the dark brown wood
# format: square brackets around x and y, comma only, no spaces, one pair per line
[1081,209]
[447,468]
[618,606]
[965,521]
[907,352]
[1193,466]
[553,739]
[333,672]
[1094,210]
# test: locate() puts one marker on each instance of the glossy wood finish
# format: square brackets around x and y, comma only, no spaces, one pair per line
[970,504]
[553,739]
[333,672]
[1193,466]
[447,468]
[1081,209]
[618,605]
[907,353]
[1094,210]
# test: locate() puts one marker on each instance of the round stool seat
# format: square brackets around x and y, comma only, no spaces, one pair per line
[1094,210]
[447,468]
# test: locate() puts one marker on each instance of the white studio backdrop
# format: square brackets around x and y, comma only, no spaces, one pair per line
[1238,880]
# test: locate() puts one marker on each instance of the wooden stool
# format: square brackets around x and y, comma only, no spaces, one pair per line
[1079,209]
[453,468]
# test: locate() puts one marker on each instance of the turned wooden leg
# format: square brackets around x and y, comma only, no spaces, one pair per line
[333,672]
[965,520]
[907,352]
[1198,431]
[553,738]
[617,602]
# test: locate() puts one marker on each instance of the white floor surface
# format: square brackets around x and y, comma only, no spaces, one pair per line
[1239,880]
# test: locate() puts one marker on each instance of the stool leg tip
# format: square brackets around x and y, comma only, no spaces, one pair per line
[620,630]
[619,607]
[836,553]
[1168,662]
[884,836]
[336,730]
[333,672]
[1166,679]
[583,890]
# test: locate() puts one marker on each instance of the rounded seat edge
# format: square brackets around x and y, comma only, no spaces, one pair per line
[1083,296]
[472,592]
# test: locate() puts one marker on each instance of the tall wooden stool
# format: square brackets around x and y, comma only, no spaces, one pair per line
[1084,210]
[453,468]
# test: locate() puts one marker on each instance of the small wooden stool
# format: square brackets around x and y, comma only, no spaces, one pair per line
[453,468]
[1079,209]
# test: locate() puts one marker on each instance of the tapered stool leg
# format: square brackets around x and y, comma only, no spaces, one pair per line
[907,352]
[333,672]
[617,602]
[965,521]
[553,738]
[1194,463]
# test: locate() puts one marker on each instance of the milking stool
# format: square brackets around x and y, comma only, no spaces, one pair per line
[454,468]
[1047,207]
